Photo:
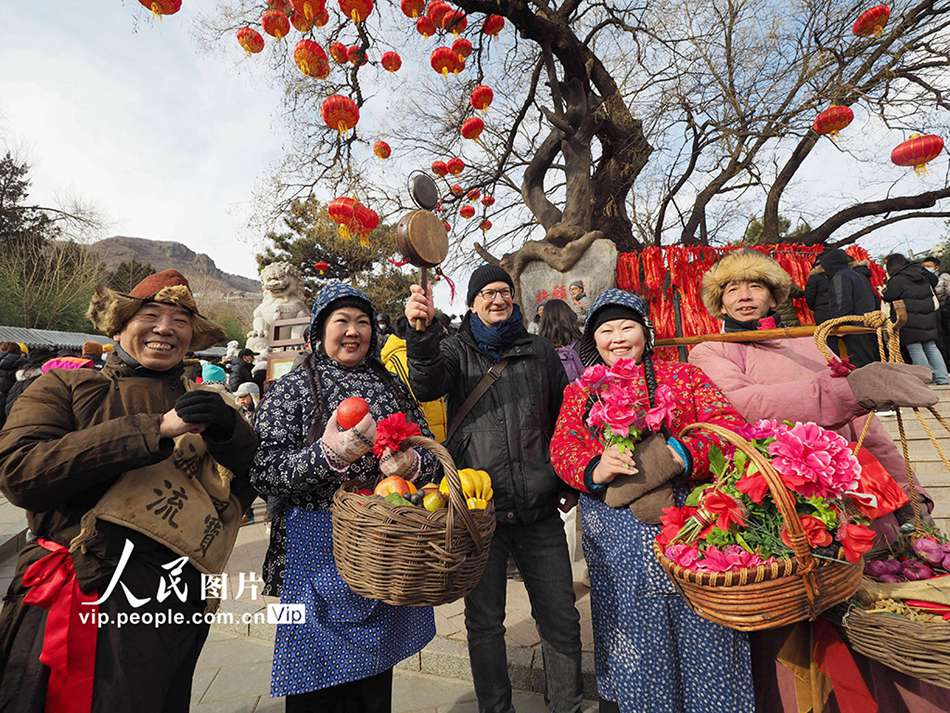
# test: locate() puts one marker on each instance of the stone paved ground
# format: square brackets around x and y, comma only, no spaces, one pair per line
[233,676]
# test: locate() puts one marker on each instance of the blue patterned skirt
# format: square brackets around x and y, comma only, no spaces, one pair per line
[346,637]
[653,654]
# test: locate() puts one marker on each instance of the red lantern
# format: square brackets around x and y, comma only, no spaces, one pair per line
[356,10]
[342,212]
[482,96]
[444,60]
[917,151]
[472,128]
[338,52]
[488,200]
[466,211]
[871,22]
[162,7]
[439,168]
[493,25]
[457,190]
[391,61]
[412,8]
[455,165]
[250,39]
[284,6]
[473,194]
[437,11]
[311,59]
[322,18]
[300,22]
[356,55]
[425,27]
[382,150]
[340,113]
[309,9]
[275,23]
[367,221]
[321,266]
[485,225]
[832,120]
[462,47]
[455,21]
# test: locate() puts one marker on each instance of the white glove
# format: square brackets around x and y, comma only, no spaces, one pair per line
[341,448]
[402,463]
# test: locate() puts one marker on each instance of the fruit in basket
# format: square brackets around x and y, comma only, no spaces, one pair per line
[350,412]
[476,503]
[432,500]
[394,484]
[475,484]
[929,550]
[397,500]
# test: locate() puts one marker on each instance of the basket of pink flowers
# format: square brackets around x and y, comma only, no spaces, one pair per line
[778,536]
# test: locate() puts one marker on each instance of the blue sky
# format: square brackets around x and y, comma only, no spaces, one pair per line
[169,141]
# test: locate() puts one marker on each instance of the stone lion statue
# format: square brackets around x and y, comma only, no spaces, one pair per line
[283,298]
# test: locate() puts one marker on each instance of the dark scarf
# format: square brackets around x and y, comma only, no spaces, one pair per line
[495,340]
[138,370]
[770,321]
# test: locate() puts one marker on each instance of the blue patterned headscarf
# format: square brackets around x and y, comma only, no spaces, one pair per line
[331,297]
[613,297]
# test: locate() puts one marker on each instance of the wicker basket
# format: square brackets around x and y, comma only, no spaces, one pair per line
[916,648]
[408,555]
[768,596]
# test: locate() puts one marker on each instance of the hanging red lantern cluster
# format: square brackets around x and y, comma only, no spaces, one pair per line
[870,23]
[466,211]
[455,165]
[340,113]
[473,194]
[309,9]
[439,168]
[425,26]
[437,11]
[454,21]
[493,25]
[250,39]
[917,151]
[284,6]
[488,200]
[832,120]
[485,225]
[356,55]
[353,217]
[482,96]
[338,52]
[382,150]
[275,23]
[300,22]
[472,128]
[444,60]
[462,48]
[321,266]
[311,59]
[356,10]
[391,61]
[412,8]
[457,190]
[162,7]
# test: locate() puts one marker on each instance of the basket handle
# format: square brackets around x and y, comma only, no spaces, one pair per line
[783,500]
[457,505]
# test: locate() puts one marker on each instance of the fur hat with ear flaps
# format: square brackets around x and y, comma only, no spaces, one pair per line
[746,265]
[109,311]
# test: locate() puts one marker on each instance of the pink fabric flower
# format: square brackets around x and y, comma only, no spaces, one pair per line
[684,555]
[765,428]
[673,519]
[624,370]
[728,558]
[856,540]
[620,412]
[593,376]
[595,419]
[753,487]
[815,461]
[661,414]
[724,508]
[840,367]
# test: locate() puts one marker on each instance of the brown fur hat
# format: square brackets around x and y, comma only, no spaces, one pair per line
[109,311]
[744,264]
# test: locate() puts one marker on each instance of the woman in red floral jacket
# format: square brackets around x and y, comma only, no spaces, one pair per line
[653,654]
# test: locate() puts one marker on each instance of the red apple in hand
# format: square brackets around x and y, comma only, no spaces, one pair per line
[350,412]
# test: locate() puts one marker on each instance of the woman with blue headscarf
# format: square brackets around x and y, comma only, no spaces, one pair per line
[652,653]
[341,658]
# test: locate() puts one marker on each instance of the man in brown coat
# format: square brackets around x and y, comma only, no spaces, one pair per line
[134,482]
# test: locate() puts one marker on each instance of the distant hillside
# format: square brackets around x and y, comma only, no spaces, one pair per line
[166,254]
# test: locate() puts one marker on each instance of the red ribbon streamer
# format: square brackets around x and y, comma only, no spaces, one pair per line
[69,643]
[834,659]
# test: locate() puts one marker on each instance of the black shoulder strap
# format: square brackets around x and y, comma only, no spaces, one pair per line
[487,381]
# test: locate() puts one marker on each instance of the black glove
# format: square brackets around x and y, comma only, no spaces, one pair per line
[208,408]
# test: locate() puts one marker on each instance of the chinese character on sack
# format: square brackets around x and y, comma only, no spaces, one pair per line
[116,579]
[167,506]
[214,586]
[541,295]
[174,580]
[249,580]
[559,293]
[212,528]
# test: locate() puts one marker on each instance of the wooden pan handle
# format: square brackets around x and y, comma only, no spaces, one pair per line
[424,284]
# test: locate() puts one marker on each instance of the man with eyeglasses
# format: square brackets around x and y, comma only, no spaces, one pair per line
[506,432]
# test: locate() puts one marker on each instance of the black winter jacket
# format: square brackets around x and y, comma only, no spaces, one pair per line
[9,364]
[240,372]
[914,285]
[818,295]
[508,432]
